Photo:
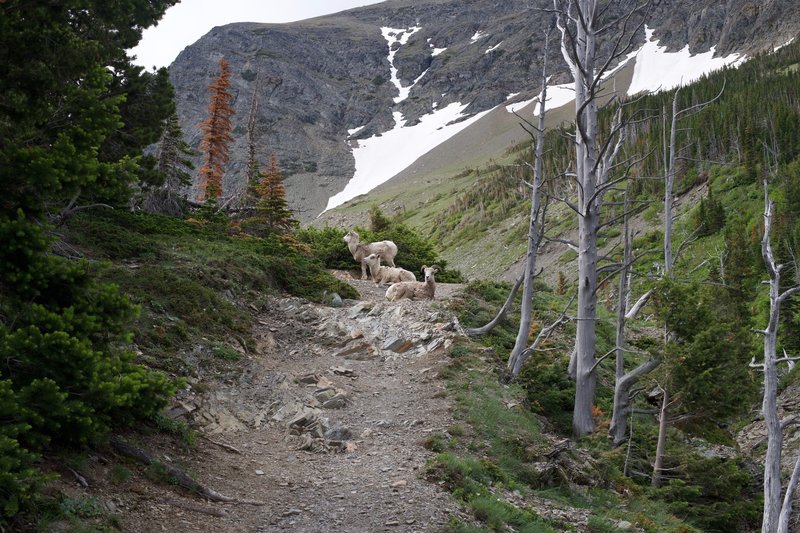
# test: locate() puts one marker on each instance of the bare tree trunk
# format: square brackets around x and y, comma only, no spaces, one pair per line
[669,183]
[579,51]
[624,382]
[786,510]
[772,459]
[534,233]
[669,260]
[576,20]
[622,397]
[543,335]
[623,291]
[483,330]
[658,465]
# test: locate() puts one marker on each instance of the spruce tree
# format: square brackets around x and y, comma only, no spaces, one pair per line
[172,167]
[216,134]
[69,137]
[272,209]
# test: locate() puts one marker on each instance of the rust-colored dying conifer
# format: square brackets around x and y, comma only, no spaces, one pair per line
[216,134]
[272,209]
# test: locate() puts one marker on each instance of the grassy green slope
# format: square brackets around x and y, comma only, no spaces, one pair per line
[197,283]
[490,240]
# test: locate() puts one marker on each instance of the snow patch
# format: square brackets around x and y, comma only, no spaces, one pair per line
[787,43]
[478,35]
[353,131]
[493,48]
[400,36]
[380,158]
[659,70]
[557,95]
[436,51]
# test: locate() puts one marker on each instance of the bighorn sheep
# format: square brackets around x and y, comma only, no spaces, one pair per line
[385,274]
[415,289]
[386,249]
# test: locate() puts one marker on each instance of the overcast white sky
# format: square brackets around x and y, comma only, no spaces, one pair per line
[186,22]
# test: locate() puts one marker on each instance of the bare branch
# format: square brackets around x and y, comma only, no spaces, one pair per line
[602,358]
[476,332]
[572,246]
[638,305]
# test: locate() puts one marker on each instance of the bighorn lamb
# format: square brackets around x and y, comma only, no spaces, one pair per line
[415,289]
[386,249]
[385,274]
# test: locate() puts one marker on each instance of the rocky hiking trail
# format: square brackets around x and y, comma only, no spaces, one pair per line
[323,430]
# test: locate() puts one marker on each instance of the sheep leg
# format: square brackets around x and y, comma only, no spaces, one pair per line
[363,270]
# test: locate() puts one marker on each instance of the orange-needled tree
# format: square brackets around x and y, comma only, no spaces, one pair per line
[272,209]
[216,134]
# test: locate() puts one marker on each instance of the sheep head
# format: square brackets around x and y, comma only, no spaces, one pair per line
[372,259]
[350,235]
[429,271]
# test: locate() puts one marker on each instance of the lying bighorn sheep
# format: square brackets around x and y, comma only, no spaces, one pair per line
[415,289]
[386,249]
[385,274]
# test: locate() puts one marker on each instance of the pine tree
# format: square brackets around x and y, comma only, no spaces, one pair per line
[71,134]
[272,209]
[253,166]
[216,134]
[710,216]
[173,152]
[172,166]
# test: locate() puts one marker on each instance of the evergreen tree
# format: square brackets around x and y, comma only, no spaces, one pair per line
[216,134]
[253,166]
[173,166]
[710,216]
[377,220]
[708,351]
[272,210]
[173,155]
[69,133]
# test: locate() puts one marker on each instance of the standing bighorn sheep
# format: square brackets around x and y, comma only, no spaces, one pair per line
[386,249]
[385,274]
[415,289]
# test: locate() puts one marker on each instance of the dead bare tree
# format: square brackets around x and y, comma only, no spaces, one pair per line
[501,314]
[580,27]
[624,382]
[514,366]
[671,156]
[776,512]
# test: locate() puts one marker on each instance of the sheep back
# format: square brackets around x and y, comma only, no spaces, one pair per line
[394,275]
[410,290]
[386,249]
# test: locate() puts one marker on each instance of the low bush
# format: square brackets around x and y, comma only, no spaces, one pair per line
[413,251]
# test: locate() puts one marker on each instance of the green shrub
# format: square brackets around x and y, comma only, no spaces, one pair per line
[120,474]
[550,391]
[81,507]
[715,494]
[413,251]
[67,376]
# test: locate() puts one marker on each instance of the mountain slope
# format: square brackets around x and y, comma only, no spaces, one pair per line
[326,83]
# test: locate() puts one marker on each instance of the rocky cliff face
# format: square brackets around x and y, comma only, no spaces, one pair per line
[324,83]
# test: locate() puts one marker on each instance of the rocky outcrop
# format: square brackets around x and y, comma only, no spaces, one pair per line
[324,83]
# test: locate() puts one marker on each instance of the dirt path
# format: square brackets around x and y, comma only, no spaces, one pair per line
[330,415]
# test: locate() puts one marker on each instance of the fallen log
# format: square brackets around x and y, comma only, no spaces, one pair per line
[179,476]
